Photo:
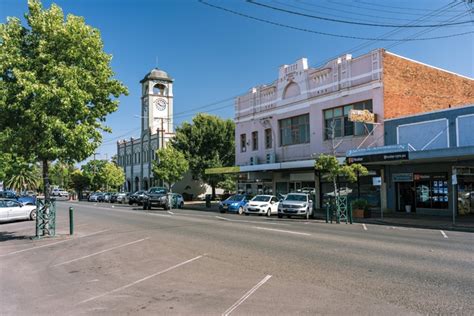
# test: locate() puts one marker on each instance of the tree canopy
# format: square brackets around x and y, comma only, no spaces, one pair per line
[102,175]
[207,142]
[170,166]
[56,86]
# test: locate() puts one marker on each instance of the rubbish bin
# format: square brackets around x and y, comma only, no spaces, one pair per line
[208,200]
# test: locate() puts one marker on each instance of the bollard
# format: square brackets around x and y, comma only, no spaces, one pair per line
[327,213]
[71,221]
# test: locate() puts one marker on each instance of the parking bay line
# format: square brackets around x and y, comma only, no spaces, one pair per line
[100,252]
[365,227]
[247,295]
[282,231]
[141,280]
[444,234]
[52,244]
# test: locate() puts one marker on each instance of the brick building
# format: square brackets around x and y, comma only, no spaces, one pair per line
[281,126]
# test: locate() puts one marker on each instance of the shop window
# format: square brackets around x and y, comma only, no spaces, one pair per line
[294,130]
[255,140]
[268,138]
[243,143]
[336,121]
[431,191]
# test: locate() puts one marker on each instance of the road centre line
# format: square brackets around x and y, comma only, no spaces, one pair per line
[100,252]
[247,295]
[365,227]
[282,231]
[444,234]
[141,280]
[51,244]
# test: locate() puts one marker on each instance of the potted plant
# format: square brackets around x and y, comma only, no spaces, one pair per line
[360,208]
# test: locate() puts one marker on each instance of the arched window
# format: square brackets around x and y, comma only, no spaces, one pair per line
[291,90]
[159,89]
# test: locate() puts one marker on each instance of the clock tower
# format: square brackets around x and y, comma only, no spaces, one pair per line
[157,102]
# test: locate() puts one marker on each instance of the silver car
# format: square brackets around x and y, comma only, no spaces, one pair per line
[11,210]
[296,204]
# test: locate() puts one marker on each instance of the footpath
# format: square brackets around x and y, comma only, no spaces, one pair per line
[463,223]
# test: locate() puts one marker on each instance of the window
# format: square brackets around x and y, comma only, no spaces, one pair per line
[243,143]
[255,140]
[337,120]
[294,130]
[268,138]
[159,89]
[431,191]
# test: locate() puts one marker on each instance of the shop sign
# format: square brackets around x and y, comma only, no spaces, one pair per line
[389,149]
[363,116]
[378,157]
[377,181]
[402,177]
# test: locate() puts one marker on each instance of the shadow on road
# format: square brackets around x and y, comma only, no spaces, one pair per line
[6,236]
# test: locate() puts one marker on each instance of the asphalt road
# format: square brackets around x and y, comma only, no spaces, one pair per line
[123,260]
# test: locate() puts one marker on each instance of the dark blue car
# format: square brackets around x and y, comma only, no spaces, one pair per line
[234,203]
[25,199]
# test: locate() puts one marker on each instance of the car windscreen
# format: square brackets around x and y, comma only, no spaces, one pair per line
[296,197]
[158,191]
[261,198]
[236,198]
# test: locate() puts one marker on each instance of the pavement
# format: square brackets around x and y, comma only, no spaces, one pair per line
[463,223]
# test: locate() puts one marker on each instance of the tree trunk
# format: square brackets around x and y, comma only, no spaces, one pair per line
[213,186]
[46,186]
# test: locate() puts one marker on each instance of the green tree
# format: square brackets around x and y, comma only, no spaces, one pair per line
[60,174]
[329,165]
[229,184]
[94,172]
[113,175]
[56,87]
[170,166]
[22,175]
[79,181]
[207,142]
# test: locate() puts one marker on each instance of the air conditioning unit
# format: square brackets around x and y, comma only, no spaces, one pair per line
[270,158]
[254,160]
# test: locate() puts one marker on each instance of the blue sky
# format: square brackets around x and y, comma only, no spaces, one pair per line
[214,55]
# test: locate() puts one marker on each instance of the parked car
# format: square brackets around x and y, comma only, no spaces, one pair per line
[136,198]
[262,205]
[179,200]
[13,210]
[234,203]
[8,194]
[27,199]
[296,204]
[96,197]
[156,196]
[122,198]
[113,198]
[60,193]
[107,196]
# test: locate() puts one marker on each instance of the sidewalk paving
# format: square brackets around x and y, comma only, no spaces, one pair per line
[463,223]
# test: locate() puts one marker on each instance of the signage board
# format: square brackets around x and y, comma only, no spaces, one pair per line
[377,150]
[221,170]
[362,116]
[378,157]
[377,181]
[402,177]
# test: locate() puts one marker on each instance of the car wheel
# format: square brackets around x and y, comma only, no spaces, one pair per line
[130,203]
[222,211]
[247,214]
[269,212]
[33,215]
[289,216]
[241,210]
[307,214]
[181,205]
[280,216]
[145,206]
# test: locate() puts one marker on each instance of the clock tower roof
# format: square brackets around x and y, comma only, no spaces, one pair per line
[157,74]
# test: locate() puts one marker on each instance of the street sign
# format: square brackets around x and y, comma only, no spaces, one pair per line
[454,179]
[363,116]
[377,181]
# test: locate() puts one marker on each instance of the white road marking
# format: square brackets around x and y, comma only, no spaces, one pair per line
[247,295]
[169,212]
[100,252]
[141,280]
[282,231]
[51,244]
[444,234]
[365,227]
[223,218]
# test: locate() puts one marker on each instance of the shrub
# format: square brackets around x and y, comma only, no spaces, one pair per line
[360,204]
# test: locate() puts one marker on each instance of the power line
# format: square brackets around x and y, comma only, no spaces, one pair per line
[400,8]
[324,33]
[351,22]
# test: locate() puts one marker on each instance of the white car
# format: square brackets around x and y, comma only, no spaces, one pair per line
[296,204]
[262,205]
[11,210]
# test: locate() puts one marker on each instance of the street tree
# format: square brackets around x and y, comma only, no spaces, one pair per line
[207,142]
[113,176]
[93,170]
[22,175]
[79,181]
[170,166]
[330,166]
[56,87]
[60,174]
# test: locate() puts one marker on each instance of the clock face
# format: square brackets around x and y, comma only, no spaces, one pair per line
[160,104]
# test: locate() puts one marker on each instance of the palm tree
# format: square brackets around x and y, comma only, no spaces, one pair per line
[25,178]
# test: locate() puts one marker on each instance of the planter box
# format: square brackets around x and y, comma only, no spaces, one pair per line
[358,213]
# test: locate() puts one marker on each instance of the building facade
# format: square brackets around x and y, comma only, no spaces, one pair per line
[136,155]
[281,127]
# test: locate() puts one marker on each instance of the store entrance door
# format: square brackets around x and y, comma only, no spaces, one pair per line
[405,197]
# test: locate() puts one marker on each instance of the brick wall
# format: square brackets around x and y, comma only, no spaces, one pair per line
[411,88]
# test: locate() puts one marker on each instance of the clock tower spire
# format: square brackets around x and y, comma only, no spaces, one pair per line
[157,101]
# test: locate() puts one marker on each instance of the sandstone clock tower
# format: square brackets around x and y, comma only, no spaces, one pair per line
[157,102]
